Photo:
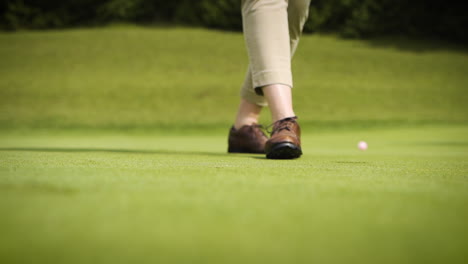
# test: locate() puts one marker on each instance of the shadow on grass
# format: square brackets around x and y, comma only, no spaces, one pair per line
[38,188]
[109,150]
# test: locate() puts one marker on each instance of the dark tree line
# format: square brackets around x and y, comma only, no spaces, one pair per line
[351,18]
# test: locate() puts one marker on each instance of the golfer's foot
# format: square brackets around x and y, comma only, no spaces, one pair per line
[247,139]
[285,140]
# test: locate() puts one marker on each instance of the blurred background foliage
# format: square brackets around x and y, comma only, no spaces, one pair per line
[350,18]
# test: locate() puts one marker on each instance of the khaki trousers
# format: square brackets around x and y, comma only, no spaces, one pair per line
[272,29]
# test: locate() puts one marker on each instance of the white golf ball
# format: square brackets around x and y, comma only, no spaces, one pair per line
[362,145]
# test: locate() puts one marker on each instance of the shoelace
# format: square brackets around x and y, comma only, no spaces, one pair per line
[281,125]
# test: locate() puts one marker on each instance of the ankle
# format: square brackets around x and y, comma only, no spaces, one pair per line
[245,122]
[281,116]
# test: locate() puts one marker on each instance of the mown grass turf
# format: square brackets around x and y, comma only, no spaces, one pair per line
[150,198]
[121,77]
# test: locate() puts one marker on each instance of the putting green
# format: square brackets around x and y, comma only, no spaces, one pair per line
[108,197]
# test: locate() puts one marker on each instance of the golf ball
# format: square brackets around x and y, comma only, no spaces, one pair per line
[362,145]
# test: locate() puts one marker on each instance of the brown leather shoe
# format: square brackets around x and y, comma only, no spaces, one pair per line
[247,139]
[285,140]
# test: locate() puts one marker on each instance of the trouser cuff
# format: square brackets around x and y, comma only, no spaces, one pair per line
[265,78]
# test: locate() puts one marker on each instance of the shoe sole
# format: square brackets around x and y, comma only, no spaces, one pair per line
[284,150]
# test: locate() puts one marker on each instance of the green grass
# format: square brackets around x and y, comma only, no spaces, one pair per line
[125,77]
[113,150]
[148,198]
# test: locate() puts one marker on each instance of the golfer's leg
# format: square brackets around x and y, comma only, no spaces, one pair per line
[259,25]
[280,98]
[266,34]
[278,94]
[298,11]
